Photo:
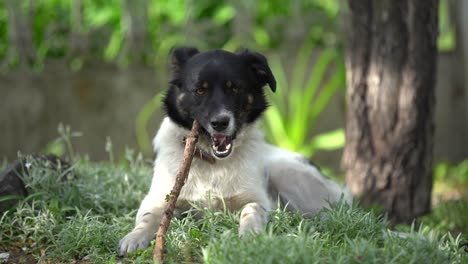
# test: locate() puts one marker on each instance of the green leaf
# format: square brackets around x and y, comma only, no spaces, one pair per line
[10,197]
[327,141]
[296,106]
[331,7]
[114,45]
[441,170]
[302,122]
[327,92]
[98,17]
[276,127]
[296,98]
[317,76]
[143,139]
[176,10]
[55,147]
[446,39]
[331,140]
[279,98]
[224,14]
[261,37]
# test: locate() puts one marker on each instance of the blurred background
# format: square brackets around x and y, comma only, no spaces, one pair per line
[86,76]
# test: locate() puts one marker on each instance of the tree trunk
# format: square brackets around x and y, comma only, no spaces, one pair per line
[391,63]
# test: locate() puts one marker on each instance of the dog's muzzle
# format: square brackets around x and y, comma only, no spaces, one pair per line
[221,129]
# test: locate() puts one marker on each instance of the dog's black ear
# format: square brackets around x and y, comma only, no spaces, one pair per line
[259,65]
[181,55]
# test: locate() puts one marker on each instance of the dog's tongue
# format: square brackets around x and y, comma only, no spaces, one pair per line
[220,141]
[221,145]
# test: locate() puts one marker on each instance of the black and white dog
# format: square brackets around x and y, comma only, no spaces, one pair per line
[234,167]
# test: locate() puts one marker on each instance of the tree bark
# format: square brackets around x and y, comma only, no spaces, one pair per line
[391,63]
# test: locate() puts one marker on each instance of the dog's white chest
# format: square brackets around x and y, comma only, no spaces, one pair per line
[223,179]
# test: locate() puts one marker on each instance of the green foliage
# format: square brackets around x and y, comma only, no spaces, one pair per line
[63,144]
[274,17]
[81,218]
[455,175]
[450,213]
[347,235]
[448,216]
[449,198]
[103,26]
[446,40]
[4,43]
[76,214]
[105,16]
[207,23]
[51,28]
[142,120]
[295,108]
[88,236]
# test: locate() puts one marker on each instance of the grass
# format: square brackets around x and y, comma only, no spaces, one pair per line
[450,198]
[80,217]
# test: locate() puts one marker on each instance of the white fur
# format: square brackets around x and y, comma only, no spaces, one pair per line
[244,180]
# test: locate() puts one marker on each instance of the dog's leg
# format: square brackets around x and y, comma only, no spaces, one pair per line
[253,217]
[150,213]
[301,187]
[148,217]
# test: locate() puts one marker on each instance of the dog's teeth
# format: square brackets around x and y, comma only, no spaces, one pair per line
[228,146]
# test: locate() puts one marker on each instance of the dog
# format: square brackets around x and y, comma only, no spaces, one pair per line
[234,167]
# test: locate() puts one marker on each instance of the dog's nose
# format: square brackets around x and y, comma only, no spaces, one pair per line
[220,123]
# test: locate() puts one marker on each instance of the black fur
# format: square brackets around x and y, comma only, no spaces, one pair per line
[225,80]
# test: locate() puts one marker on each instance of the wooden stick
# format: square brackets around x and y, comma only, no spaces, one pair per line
[158,251]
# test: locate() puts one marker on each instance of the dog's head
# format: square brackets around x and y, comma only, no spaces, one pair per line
[223,91]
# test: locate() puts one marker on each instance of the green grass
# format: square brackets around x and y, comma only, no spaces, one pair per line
[80,217]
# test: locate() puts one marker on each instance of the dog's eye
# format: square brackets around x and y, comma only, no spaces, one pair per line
[234,88]
[201,88]
[200,91]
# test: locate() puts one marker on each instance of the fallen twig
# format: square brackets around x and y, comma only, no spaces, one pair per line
[158,251]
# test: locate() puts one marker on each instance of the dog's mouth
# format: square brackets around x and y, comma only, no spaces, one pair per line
[221,145]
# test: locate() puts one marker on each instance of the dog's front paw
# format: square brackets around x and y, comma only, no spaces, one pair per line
[252,219]
[250,227]
[137,239]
